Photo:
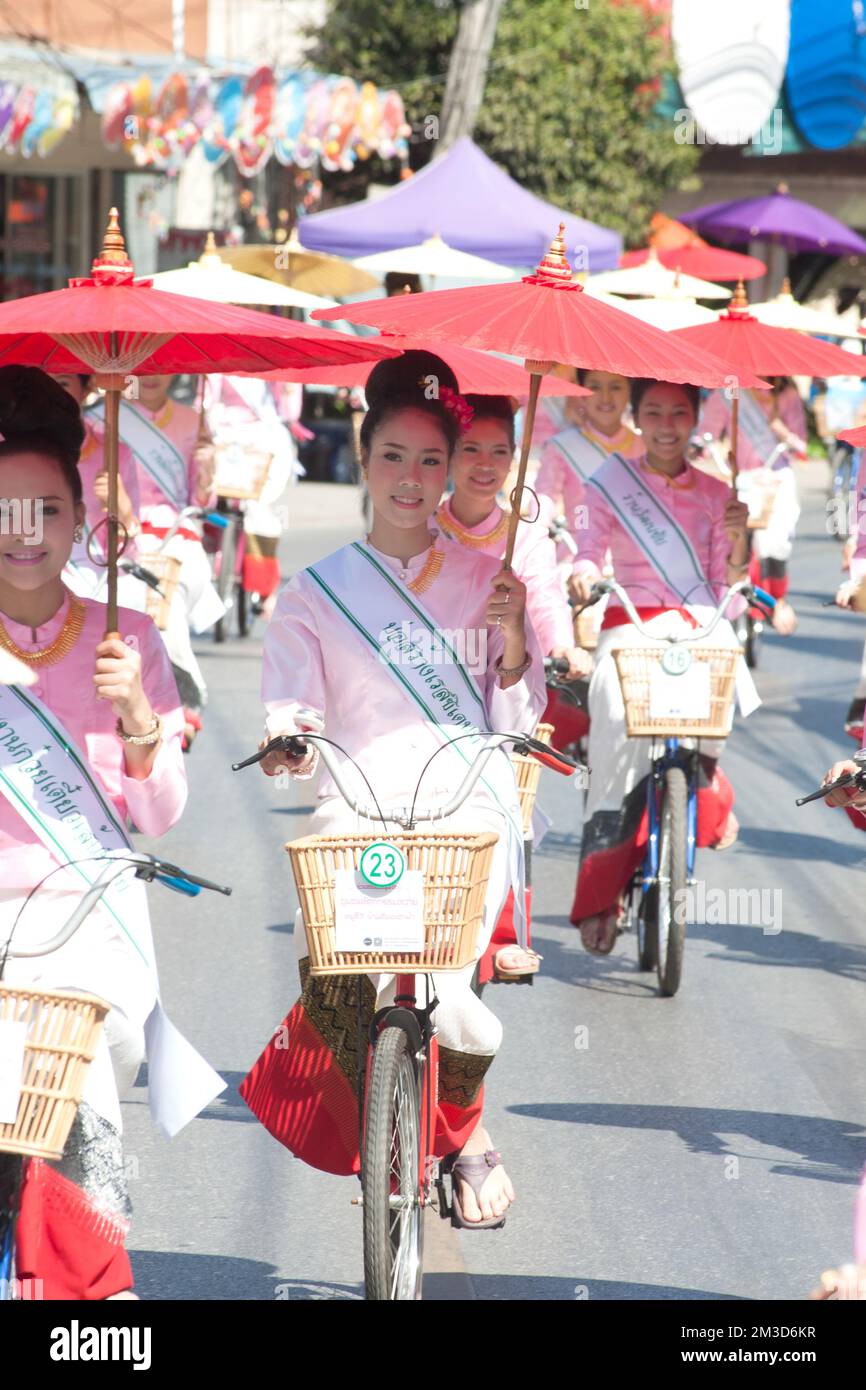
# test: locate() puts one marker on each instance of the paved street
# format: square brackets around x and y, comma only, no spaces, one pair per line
[702,1147]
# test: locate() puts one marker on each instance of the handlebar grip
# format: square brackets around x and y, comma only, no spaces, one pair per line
[556,665]
[179,885]
[216,519]
[764,597]
[557,762]
[283,743]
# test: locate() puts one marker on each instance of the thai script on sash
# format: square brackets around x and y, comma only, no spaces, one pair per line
[440,647]
[657,534]
[59,794]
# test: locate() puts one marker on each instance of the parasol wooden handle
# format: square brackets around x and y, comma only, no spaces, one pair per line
[535,369]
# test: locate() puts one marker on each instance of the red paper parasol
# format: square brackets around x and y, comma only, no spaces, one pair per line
[705,262]
[477,372]
[856,436]
[751,346]
[544,318]
[115,327]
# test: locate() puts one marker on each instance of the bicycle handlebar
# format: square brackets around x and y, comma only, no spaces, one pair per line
[743,586]
[555,666]
[147,867]
[848,779]
[296,747]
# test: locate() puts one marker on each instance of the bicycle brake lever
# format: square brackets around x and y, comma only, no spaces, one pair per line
[283,743]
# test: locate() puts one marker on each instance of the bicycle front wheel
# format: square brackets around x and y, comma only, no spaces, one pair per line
[672,881]
[393,1214]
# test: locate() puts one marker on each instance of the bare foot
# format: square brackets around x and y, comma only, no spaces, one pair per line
[496,1194]
[598,933]
[513,960]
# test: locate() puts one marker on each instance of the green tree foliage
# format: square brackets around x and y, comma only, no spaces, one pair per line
[568,105]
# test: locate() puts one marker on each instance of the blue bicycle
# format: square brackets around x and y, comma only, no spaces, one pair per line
[657,899]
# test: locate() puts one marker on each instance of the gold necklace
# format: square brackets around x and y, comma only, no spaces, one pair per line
[62,644]
[452,528]
[429,573]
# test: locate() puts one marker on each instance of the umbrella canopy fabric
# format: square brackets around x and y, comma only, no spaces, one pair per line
[434,257]
[855,436]
[546,317]
[212,278]
[668,313]
[290,263]
[652,278]
[784,311]
[476,206]
[796,225]
[754,347]
[478,373]
[706,262]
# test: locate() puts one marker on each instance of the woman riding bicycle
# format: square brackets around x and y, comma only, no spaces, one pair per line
[96,738]
[358,646]
[677,538]
[471,517]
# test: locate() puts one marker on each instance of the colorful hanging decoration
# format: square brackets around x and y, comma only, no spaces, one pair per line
[35,117]
[301,119]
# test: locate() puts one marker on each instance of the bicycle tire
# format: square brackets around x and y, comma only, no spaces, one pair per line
[646,928]
[672,880]
[753,644]
[393,1245]
[225,581]
[242,608]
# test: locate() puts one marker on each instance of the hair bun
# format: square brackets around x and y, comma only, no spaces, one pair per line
[32,403]
[406,375]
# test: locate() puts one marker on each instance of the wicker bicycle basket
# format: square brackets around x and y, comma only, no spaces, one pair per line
[527,772]
[241,473]
[456,868]
[634,666]
[62,1034]
[165,568]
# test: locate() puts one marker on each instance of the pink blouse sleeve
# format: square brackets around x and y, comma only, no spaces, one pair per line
[156,803]
[720,541]
[858,560]
[793,416]
[520,706]
[548,479]
[129,474]
[545,601]
[293,676]
[595,541]
[714,416]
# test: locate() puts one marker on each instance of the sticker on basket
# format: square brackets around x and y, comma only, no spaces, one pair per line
[13,1036]
[378,919]
[680,697]
[676,660]
[382,864]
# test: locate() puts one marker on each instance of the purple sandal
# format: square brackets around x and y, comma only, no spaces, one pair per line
[473,1169]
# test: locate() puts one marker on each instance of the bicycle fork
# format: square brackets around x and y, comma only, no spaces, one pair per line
[673,756]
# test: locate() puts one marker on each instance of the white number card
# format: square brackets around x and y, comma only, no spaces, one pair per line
[378,919]
[685,696]
[12,1038]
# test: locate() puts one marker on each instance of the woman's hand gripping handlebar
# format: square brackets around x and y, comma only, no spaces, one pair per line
[847,788]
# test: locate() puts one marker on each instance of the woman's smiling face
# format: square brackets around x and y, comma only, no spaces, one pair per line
[666,419]
[37,519]
[604,408]
[407,465]
[482,460]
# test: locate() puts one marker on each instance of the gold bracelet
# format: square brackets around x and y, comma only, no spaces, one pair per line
[513,670]
[153,735]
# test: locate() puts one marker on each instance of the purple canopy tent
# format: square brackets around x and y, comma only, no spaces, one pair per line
[473,205]
[795,225]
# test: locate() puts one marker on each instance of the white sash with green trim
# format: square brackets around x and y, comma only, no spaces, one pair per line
[653,528]
[756,427]
[388,620]
[46,779]
[153,450]
[581,453]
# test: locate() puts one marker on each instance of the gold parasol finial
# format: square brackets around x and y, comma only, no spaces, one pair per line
[210,257]
[739,299]
[554,266]
[786,287]
[113,251]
